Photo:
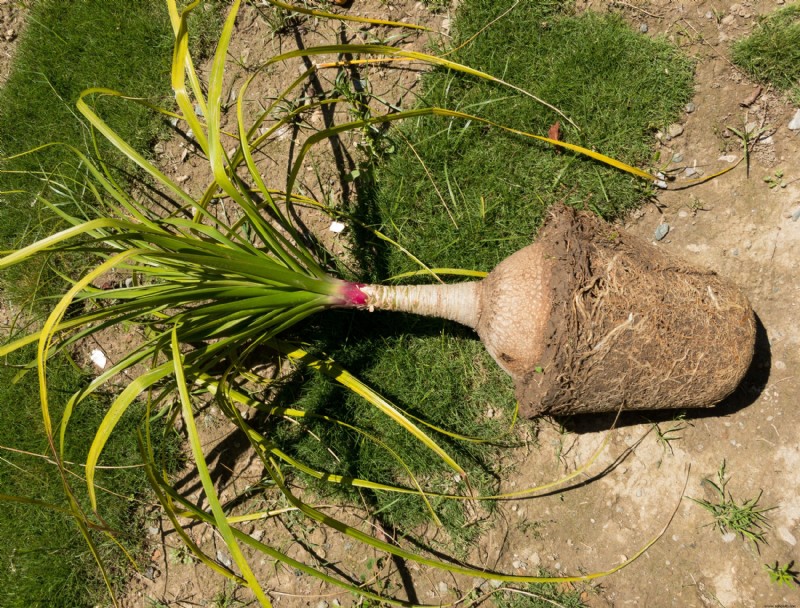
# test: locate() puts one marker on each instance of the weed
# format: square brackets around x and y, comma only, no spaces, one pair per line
[544,595]
[749,138]
[775,180]
[782,575]
[771,54]
[665,437]
[746,519]
[227,597]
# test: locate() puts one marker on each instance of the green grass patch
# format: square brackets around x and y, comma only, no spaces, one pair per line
[619,87]
[66,48]
[46,562]
[771,54]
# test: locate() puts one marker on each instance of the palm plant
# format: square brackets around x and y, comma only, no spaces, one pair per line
[208,292]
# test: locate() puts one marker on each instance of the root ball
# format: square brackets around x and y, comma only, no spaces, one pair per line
[606,320]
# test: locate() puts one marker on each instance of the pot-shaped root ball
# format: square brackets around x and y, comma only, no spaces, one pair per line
[590,318]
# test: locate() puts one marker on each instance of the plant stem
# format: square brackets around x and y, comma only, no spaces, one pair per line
[458,302]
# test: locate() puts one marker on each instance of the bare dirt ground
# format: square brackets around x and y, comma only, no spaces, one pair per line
[746,229]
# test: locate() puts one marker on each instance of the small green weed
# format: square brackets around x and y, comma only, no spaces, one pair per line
[782,575]
[227,598]
[771,54]
[749,138]
[775,180]
[541,595]
[746,519]
[665,437]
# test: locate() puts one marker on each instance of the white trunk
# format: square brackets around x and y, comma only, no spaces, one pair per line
[458,302]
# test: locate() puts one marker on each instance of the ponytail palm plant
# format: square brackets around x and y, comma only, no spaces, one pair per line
[208,292]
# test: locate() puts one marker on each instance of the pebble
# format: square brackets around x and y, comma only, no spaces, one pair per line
[442,586]
[495,583]
[643,28]
[151,573]
[796,215]
[780,365]
[729,537]
[728,158]
[690,172]
[677,157]
[322,604]
[661,231]
[223,559]
[787,536]
[794,124]
[728,19]
[690,107]
[674,130]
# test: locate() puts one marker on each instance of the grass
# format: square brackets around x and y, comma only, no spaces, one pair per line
[66,48]
[771,54]
[545,595]
[618,86]
[45,560]
[746,519]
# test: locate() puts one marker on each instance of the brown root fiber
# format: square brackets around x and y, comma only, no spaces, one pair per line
[629,326]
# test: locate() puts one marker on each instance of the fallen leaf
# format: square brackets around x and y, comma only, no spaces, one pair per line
[554,132]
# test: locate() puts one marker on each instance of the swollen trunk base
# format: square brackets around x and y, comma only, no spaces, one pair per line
[591,319]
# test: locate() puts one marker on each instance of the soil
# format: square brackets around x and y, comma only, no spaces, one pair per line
[745,228]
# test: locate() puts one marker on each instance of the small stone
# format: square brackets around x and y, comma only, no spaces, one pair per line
[151,573]
[336,227]
[322,604]
[709,15]
[495,583]
[11,34]
[661,231]
[518,564]
[674,130]
[182,178]
[98,357]
[729,537]
[787,536]
[189,134]
[794,124]
[129,282]
[224,559]
[728,158]
[690,107]
[677,157]
[159,148]
[153,530]
[257,534]
[796,215]
[728,19]
[643,28]
[690,172]
[442,587]
[683,214]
